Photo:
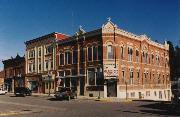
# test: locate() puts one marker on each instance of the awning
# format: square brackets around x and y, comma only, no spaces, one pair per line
[70,76]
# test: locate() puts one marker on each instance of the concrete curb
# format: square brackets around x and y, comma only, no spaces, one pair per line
[103,99]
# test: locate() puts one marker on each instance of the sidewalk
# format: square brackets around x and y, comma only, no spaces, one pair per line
[108,99]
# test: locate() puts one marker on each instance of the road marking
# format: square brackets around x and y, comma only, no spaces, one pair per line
[17,112]
[37,106]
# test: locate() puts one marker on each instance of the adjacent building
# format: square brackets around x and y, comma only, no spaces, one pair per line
[2,79]
[14,73]
[41,62]
[80,63]
[111,62]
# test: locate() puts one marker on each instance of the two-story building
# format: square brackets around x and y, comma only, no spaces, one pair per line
[14,73]
[111,62]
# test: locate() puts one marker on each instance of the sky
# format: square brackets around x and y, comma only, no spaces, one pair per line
[23,20]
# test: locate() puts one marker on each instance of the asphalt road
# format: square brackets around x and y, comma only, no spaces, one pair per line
[43,106]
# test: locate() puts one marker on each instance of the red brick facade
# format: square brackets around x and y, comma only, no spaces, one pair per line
[131,66]
[14,73]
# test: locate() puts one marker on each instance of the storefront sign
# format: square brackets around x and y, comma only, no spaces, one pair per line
[110,70]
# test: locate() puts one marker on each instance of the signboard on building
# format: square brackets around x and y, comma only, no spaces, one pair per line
[110,70]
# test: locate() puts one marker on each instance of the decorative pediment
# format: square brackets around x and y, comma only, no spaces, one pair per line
[109,26]
[81,31]
[143,37]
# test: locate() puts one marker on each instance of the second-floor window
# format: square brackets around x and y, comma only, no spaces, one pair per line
[152,58]
[94,53]
[89,53]
[146,57]
[110,52]
[39,52]
[61,58]
[82,55]
[68,57]
[122,52]
[130,54]
[75,54]
[31,54]
[137,56]
[49,49]
[100,53]
[157,60]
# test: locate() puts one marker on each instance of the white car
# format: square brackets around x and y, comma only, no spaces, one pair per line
[3,92]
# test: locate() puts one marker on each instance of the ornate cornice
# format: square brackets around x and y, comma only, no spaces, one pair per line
[110,27]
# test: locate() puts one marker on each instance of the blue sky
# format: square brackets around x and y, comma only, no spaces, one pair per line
[22,20]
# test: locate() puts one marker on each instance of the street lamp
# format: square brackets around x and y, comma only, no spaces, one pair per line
[49,78]
[126,88]
[49,84]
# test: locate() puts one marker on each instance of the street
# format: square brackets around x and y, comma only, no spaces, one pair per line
[44,106]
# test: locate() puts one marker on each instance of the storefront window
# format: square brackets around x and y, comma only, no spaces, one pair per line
[91,76]
[99,77]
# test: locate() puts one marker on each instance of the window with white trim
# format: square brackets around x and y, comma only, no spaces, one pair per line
[75,54]
[49,49]
[122,52]
[31,53]
[131,76]
[130,54]
[82,55]
[89,53]
[137,55]
[110,52]
[100,53]
[95,49]
[68,57]
[61,59]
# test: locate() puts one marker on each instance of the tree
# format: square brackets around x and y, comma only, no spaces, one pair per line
[177,62]
[171,60]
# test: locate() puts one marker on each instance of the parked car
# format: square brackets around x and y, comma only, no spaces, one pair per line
[22,91]
[65,93]
[3,92]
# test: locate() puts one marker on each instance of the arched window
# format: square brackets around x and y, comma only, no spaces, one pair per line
[110,52]
[130,53]
[137,55]
[122,52]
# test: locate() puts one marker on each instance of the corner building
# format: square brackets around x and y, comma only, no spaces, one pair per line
[41,62]
[111,62]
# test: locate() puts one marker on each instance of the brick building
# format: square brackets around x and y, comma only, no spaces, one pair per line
[41,62]
[75,65]
[111,62]
[14,73]
[2,79]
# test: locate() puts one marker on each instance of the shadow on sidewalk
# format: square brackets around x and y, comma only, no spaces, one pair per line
[160,108]
[54,99]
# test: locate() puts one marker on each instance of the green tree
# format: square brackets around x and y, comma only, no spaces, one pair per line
[177,62]
[171,60]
